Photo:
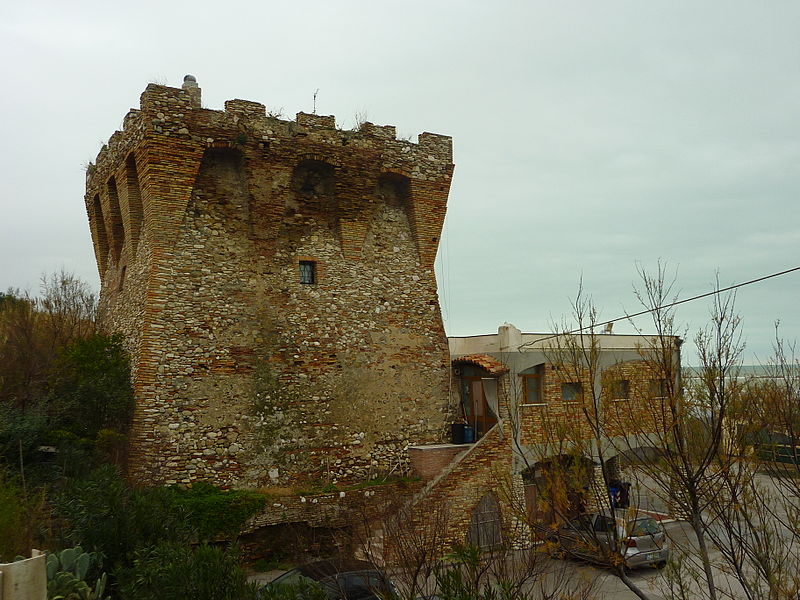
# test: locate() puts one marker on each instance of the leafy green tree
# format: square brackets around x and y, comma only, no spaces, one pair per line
[25,355]
[90,386]
[34,329]
[305,589]
[21,433]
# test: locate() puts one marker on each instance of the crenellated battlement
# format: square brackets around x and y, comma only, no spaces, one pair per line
[174,117]
[177,112]
[233,241]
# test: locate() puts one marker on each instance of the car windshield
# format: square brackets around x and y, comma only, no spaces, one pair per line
[354,585]
[362,584]
[292,577]
[582,522]
[641,527]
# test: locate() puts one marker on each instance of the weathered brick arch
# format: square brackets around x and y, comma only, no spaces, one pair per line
[98,225]
[134,200]
[397,171]
[312,156]
[115,228]
[488,363]
[314,195]
[221,176]
[395,188]
[305,169]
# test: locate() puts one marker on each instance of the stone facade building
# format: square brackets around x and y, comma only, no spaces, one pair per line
[274,282]
[569,411]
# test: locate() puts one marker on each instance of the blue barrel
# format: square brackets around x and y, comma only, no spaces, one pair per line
[469,434]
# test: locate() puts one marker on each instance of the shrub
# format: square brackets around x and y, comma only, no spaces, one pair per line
[111,446]
[21,515]
[215,513]
[307,590]
[171,571]
[108,516]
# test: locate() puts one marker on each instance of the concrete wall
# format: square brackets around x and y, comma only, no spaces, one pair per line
[25,579]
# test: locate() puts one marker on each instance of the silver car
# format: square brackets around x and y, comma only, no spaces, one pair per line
[613,537]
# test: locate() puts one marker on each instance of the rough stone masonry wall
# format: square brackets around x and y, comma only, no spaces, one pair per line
[336,509]
[244,376]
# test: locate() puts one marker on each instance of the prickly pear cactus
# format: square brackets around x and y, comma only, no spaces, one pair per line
[66,575]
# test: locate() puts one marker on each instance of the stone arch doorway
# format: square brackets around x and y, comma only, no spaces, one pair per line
[485,529]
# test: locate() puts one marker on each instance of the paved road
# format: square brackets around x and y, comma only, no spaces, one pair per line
[652,581]
[574,575]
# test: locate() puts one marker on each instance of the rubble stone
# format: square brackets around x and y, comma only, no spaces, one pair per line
[243,374]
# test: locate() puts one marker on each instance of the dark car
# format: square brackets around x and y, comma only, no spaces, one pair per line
[340,580]
[636,538]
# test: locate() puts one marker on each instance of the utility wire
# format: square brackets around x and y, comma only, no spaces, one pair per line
[650,310]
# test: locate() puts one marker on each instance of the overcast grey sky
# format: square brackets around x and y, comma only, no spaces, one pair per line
[587,135]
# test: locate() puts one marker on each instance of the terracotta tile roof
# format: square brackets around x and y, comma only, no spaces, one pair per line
[484,361]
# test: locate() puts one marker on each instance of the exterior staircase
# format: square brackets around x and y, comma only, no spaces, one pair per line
[460,469]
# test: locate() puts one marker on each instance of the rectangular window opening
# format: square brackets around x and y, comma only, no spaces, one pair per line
[620,389]
[658,388]
[572,392]
[308,272]
[533,386]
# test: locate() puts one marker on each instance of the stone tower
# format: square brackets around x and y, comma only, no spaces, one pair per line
[274,282]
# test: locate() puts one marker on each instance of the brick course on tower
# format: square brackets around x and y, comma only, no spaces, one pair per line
[274,282]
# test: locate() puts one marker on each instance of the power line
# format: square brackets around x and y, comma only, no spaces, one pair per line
[671,304]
